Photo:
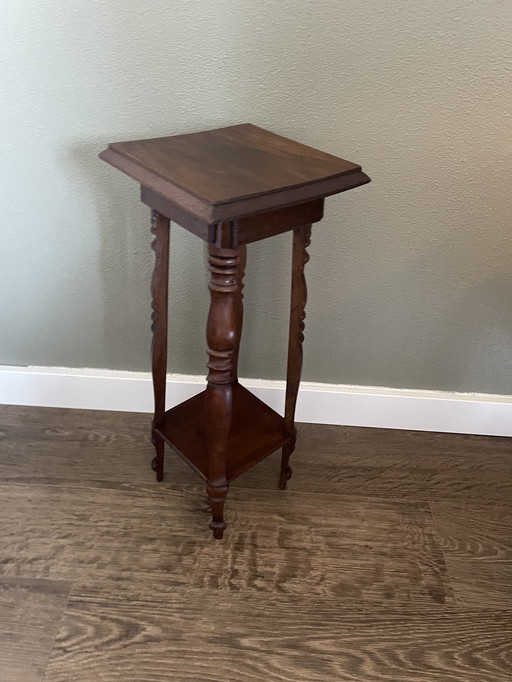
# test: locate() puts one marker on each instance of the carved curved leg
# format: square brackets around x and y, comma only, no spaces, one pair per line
[299,294]
[159,293]
[223,335]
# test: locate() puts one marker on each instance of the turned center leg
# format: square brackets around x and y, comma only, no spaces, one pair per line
[223,333]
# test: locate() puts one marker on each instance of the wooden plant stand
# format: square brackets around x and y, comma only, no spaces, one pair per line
[230,187]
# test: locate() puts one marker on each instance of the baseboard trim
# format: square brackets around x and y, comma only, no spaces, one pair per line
[392,408]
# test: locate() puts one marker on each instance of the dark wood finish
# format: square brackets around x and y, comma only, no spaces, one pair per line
[299,294]
[223,335]
[255,431]
[175,213]
[230,186]
[159,304]
[242,230]
[263,225]
[308,586]
[229,172]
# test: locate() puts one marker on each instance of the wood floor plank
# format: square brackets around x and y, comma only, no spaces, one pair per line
[477,543]
[475,530]
[370,445]
[352,548]
[30,612]
[212,636]
[479,584]
[74,445]
[387,559]
[78,445]
[394,464]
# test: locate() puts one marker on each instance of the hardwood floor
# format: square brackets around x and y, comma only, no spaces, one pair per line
[388,559]
[30,611]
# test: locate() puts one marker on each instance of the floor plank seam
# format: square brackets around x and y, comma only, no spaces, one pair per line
[57,628]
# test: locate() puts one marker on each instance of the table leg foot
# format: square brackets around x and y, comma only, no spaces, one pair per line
[217,499]
[286,470]
[157,463]
[218,531]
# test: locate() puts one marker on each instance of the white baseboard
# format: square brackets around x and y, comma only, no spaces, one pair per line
[391,408]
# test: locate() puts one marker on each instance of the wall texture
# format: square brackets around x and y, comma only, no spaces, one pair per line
[410,277]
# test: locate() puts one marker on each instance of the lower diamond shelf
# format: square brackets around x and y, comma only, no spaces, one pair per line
[256,431]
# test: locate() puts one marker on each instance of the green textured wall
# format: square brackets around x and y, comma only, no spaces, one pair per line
[410,277]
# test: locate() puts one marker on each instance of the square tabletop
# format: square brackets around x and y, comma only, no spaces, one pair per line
[227,172]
